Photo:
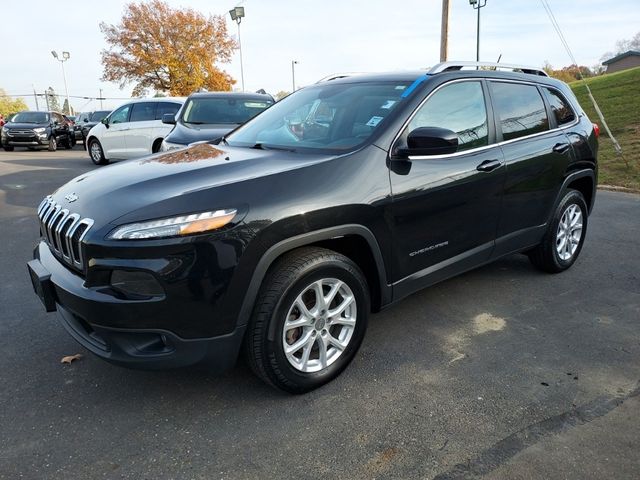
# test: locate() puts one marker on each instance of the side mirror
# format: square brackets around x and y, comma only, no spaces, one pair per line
[105,122]
[169,118]
[86,120]
[429,141]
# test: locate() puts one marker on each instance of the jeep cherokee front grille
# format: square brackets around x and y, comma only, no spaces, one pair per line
[63,231]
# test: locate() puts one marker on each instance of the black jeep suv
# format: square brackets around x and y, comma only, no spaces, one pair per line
[37,130]
[340,199]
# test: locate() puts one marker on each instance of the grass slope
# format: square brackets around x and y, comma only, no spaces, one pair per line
[618,95]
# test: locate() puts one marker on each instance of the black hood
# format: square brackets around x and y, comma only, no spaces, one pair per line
[184,134]
[155,186]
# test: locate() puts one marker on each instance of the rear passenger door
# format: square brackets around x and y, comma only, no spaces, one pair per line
[141,124]
[446,207]
[536,154]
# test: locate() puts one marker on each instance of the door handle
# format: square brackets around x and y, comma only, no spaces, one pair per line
[488,165]
[560,147]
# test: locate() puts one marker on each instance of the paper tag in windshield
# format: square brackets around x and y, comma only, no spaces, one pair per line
[388,104]
[374,121]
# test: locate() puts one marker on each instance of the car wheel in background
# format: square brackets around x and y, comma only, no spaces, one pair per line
[308,321]
[96,153]
[53,144]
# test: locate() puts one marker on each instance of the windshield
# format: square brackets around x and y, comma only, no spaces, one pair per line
[236,110]
[98,116]
[31,117]
[327,116]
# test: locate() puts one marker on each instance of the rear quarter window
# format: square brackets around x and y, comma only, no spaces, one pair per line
[560,107]
[520,109]
[166,107]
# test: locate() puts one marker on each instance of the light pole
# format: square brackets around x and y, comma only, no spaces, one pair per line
[293,74]
[237,14]
[65,57]
[477,5]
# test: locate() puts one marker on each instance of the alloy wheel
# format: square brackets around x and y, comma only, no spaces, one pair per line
[319,325]
[569,232]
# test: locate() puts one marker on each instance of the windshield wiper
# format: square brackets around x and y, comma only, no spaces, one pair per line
[262,146]
[223,139]
[195,123]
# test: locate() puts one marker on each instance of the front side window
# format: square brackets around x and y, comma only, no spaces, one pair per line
[520,109]
[121,115]
[327,116]
[142,112]
[561,109]
[458,107]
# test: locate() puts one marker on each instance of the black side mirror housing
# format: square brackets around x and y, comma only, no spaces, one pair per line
[429,141]
[105,122]
[169,118]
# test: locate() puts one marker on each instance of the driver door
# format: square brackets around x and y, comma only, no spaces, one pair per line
[114,137]
[446,208]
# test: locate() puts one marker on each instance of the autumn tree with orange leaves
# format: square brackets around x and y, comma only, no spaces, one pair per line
[168,50]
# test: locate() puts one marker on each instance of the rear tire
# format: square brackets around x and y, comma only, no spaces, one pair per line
[565,235]
[95,153]
[328,328]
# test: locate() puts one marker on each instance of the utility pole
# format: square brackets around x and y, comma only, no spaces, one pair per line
[444,31]
[101,99]
[293,74]
[35,96]
[46,97]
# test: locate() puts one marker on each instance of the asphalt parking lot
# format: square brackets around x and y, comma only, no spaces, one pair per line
[502,373]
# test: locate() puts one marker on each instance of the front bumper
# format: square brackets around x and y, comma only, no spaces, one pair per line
[24,142]
[84,311]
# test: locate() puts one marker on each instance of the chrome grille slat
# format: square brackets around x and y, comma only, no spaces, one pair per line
[59,227]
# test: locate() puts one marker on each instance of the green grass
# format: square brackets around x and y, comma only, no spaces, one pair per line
[618,95]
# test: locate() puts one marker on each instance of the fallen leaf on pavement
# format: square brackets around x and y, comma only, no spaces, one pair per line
[71,358]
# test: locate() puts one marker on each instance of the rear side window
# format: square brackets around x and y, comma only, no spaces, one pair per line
[142,112]
[458,107]
[166,107]
[561,109]
[520,109]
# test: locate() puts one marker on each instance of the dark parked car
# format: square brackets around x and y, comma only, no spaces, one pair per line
[208,116]
[339,200]
[86,121]
[37,130]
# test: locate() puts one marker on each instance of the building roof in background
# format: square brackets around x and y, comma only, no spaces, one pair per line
[628,53]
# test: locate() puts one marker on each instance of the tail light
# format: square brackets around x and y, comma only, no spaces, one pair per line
[596,130]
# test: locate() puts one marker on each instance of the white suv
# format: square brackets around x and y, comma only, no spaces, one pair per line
[133,130]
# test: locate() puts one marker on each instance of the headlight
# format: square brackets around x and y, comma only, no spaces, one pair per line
[166,146]
[174,226]
[39,130]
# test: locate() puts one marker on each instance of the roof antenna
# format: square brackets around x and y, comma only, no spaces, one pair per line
[499,57]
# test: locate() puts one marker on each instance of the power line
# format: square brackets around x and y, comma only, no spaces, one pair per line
[558,30]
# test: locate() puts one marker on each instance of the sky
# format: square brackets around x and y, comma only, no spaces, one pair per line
[324,36]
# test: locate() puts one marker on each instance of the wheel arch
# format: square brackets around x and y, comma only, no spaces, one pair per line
[156,144]
[354,241]
[583,180]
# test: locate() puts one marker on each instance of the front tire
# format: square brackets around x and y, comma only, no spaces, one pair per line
[308,321]
[8,149]
[96,153]
[565,236]
[53,144]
